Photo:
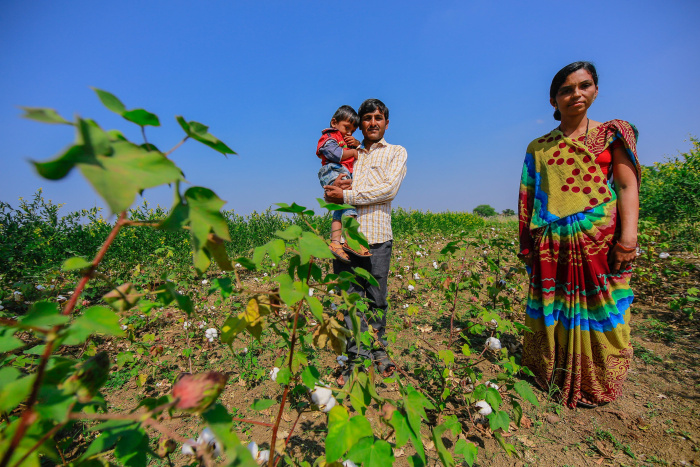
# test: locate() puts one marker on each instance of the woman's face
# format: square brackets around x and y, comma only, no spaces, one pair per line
[576,95]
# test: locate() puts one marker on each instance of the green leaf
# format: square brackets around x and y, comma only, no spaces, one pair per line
[43,115]
[110,101]
[333,206]
[293,232]
[444,455]
[415,404]
[343,432]
[200,209]
[498,420]
[493,397]
[403,430]
[284,376]
[525,391]
[199,132]
[366,276]
[44,314]
[509,448]
[290,292]
[96,319]
[75,263]
[517,411]
[467,449]
[294,208]
[221,423]
[315,306]
[310,376]
[141,117]
[359,395]
[312,245]
[13,392]
[372,453]
[262,404]
[8,341]
[452,423]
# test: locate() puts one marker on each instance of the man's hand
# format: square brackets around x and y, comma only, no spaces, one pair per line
[334,192]
[351,141]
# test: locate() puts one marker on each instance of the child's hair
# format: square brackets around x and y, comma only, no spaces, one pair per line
[370,105]
[345,113]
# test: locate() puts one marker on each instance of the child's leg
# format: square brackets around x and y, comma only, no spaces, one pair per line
[336,230]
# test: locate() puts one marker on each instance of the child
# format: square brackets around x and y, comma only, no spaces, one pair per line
[337,159]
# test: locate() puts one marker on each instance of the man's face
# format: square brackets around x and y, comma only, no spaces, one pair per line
[373,126]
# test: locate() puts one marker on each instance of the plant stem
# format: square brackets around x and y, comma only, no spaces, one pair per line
[286,388]
[176,146]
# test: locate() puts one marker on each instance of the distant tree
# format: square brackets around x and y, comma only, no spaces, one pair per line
[484,210]
[508,212]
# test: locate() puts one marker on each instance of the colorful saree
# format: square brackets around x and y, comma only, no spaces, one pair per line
[578,311]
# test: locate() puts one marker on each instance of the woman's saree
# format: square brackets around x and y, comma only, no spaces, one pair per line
[577,310]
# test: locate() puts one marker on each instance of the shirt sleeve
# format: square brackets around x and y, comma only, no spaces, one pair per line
[389,177]
[331,151]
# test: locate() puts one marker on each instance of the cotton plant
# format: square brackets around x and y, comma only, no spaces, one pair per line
[323,398]
[484,407]
[273,373]
[493,343]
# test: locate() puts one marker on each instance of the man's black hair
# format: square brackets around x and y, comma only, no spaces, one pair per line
[370,105]
[345,113]
[561,76]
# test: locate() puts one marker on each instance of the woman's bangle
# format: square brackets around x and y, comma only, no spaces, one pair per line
[626,248]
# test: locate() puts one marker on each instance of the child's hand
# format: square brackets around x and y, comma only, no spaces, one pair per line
[352,141]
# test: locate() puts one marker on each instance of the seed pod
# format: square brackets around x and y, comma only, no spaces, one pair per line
[197,392]
[166,446]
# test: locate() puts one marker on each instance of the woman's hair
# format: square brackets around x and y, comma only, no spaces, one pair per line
[370,105]
[345,113]
[561,76]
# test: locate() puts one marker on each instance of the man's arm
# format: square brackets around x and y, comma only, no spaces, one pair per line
[334,192]
[388,186]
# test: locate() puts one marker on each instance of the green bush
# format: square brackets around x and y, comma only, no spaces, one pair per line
[484,210]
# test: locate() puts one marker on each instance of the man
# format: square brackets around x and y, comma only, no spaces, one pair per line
[377,176]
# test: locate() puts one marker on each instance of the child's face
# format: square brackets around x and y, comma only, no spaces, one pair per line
[343,126]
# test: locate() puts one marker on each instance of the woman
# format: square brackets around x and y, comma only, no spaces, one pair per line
[578,209]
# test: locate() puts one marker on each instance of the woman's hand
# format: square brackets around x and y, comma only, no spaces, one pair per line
[619,259]
[527,259]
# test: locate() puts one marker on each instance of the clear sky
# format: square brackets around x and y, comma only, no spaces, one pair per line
[466,83]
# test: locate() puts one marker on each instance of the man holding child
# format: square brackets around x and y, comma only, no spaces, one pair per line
[378,172]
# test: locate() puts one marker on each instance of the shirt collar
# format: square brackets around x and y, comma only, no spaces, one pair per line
[379,144]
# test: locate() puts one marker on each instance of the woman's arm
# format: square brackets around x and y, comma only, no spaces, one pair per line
[626,186]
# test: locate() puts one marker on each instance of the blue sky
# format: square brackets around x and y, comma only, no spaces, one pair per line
[466,84]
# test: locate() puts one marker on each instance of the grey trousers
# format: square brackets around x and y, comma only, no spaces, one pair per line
[378,266]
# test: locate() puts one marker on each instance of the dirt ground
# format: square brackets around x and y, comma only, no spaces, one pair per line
[656,420]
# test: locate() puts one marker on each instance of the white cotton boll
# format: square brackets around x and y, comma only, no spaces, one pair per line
[435,265]
[469,388]
[186,324]
[273,373]
[332,292]
[329,405]
[211,334]
[311,292]
[188,447]
[321,395]
[2,307]
[405,305]
[418,253]
[334,307]
[124,327]
[238,265]
[264,274]
[349,463]
[205,282]
[484,407]
[40,287]
[416,276]
[263,456]
[664,255]
[245,350]
[411,288]
[61,298]
[489,384]
[253,449]
[399,276]
[207,436]
[273,265]
[341,359]
[493,343]
[493,323]
[202,324]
